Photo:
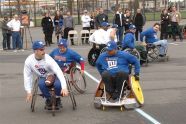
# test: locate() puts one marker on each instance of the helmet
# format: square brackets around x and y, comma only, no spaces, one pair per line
[37,45]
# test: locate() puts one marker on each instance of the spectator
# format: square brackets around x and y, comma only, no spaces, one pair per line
[15,26]
[85,19]
[127,19]
[6,32]
[48,28]
[175,20]
[92,22]
[101,17]
[68,26]
[139,22]
[119,20]
[58,23]
[164,24]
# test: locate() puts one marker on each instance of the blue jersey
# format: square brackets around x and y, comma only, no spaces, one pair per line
[128,41]
[118,62]
[150,36]
[65,58]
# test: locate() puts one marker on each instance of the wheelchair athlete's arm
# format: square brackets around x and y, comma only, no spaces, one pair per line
[28,76]
[134,61]
[56,69]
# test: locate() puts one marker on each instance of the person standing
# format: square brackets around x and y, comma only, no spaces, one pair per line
[175,20]
[48,28]
[92,21]
[127,19]
[139,22]
[119,20]
[85,19]
[15,26]
[6,34]
[164,24]
[68,26]
[58,23]
[101,17]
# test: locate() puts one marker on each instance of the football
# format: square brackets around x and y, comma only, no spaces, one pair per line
[50,80]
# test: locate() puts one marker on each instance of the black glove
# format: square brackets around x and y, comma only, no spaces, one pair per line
[136,76]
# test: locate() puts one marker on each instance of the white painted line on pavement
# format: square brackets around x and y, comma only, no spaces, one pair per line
[144,114]
[174,43]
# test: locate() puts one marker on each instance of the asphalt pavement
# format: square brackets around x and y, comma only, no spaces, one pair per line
[163,85]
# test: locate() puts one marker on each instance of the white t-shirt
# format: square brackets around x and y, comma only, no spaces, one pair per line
[41,68]
[85,20]
[100,36]
[109,32]
[14,24]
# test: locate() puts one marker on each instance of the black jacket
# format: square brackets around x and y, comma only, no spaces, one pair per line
[47,25]
[165,19]
[117,19]
[4,27]
[101,18]
[138,20]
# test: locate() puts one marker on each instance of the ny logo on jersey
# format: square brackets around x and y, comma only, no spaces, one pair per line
[42,71]
[112,64]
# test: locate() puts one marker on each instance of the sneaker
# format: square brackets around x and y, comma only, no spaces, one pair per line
[48,104]
[162,55]
[58,103]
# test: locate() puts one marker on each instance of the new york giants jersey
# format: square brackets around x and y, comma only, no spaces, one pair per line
[41,68]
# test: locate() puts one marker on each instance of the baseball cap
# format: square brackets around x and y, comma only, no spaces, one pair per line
[62,42]
[114,26]
[37,45]
[111,45]
[105,24]
[132,27]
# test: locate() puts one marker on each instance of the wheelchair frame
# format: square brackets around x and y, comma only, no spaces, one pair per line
[132,99]
[53,96]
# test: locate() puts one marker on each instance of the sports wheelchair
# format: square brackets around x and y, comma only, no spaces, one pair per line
[53,96]
[131,96]
[153,53]
[76,79]
[95,51]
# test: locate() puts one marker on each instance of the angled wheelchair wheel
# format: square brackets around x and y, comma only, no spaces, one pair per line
[93,56]
[133,52]
[152,52]
[137,91]
[71,94]
[78,80]
[34,95]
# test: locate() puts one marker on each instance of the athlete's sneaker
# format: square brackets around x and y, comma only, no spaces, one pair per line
[58,103]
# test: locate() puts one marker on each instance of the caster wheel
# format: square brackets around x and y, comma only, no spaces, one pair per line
[103,108]
[121,109]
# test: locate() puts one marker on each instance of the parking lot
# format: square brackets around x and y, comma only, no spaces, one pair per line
[163,85]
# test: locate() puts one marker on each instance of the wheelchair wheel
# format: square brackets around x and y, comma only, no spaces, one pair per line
[153,52]
[53,100]
[103,50]
[71,94]
[78,80]
[93,55]
[133,52]
[34,95]
[137,91]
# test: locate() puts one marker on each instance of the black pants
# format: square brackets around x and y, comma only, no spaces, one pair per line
[87,35]
[176,30]
[164,34]
[6,41]
[66,30]
[113,84]
[48,38]
[138,30]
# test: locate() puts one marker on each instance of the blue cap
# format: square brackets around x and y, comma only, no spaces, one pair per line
[37,45]
[132,27]
[111,45]
[62,42]
[105,24]
[114,26]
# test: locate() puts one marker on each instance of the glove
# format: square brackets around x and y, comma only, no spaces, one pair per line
[136,76]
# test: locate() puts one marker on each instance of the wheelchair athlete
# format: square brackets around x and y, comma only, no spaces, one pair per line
[129,42]
[42,65]
[152,38]
[66,58]
[113,67]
